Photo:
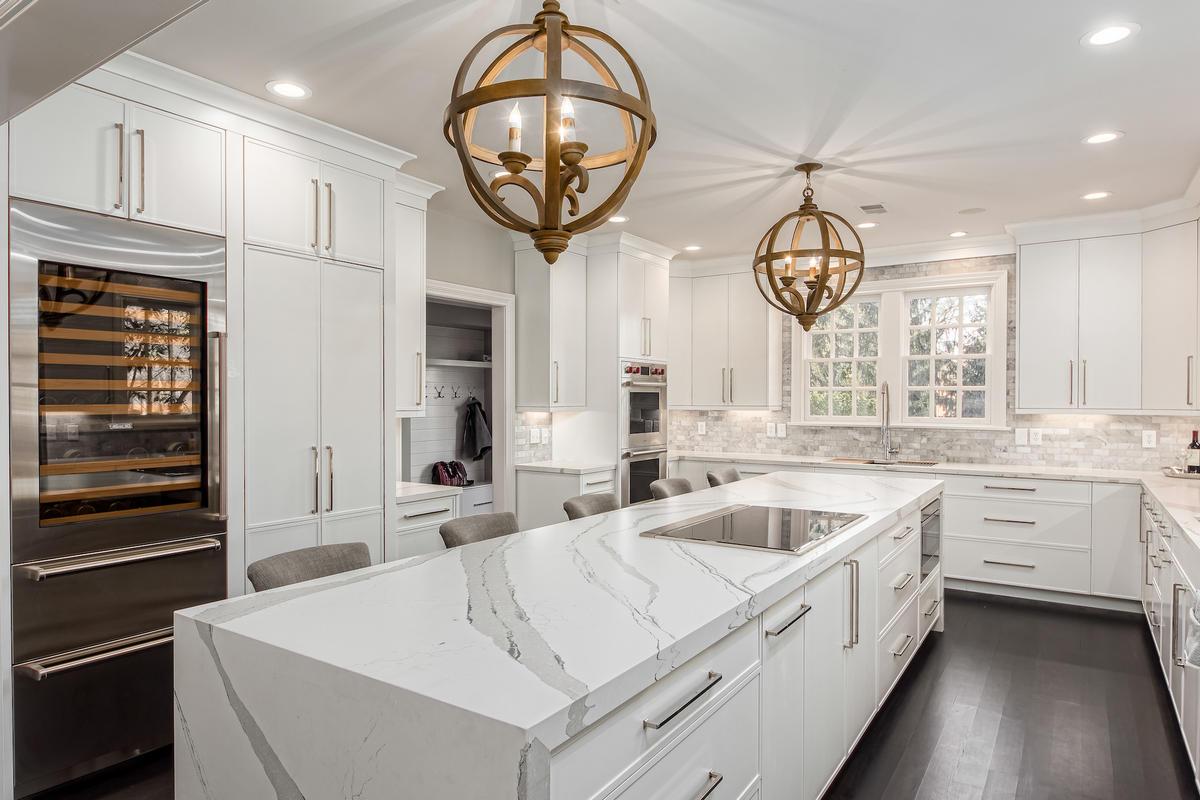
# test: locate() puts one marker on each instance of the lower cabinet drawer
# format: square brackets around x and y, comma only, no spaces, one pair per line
[899,579]
[929,604]
[899,536]
[424,513]
[412,542]
[1019,488]
[1019,520]
[896,646]
[598,483]
[717,761]
[1018,564]
[589,766]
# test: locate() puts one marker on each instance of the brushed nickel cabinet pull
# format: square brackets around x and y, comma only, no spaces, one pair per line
[779,629]
[723,400]
[556,381]
[1009,564]
[45,669]
[597,483]
[120,126]
[141,134]
[316,242]
[933,607]
[329,447]
[1010,488]
[1071,385]
[714,780]
[713,679]
[420,378]
[1155,562]
[329,217]
[1010,521]
[1083,381]
[1175,626]
[1190,359]
[904,534]
[731,386]
[71,566]
[316,509]
[899,585]
[427,513]
[908,640]
[1153,617]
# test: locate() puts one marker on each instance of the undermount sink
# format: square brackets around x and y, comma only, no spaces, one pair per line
[881,462]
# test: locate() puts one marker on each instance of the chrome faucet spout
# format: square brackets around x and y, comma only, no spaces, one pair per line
[885,422]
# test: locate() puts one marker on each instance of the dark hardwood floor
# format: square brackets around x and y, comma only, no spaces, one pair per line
[1015,700]
[1019,700]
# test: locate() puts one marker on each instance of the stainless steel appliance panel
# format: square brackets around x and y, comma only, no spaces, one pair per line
[931,537]
[643,408]
[68,603]
[90,710]
[639,469]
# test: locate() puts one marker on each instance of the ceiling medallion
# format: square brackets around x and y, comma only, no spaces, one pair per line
[564,167]
[829,272]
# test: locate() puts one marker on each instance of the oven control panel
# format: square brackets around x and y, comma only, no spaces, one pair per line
[633,370]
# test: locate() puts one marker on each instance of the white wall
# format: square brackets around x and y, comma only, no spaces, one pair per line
[473,252]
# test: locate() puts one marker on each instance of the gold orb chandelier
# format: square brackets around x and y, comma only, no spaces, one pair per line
[807,276]
[564,166]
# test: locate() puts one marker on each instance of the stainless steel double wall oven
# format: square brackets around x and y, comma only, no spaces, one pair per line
[118,503]
[644,429]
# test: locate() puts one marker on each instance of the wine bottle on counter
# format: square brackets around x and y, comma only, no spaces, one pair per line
[1193,453]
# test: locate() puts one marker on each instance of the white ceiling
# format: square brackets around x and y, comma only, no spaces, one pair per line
[928,107]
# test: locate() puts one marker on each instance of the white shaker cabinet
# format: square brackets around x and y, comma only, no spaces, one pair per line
[1048,324]
[1169,318]
[784,682]
[860,651]
[825,636]
[710,341]
[410,309]
[679,344]
[643,287]
[1110,324]
[352,224]
[551,331]
[92,151]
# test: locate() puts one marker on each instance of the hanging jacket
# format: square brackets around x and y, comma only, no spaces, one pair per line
[477,433]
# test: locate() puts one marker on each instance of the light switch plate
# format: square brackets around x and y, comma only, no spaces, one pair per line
[1149,439]
[770,430]
[1035,435]
[701,428]
[535,435]
[781,430]
[1022,435]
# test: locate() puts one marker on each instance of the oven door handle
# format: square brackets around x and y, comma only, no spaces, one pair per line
[70,566]
[647,384]
[639,453]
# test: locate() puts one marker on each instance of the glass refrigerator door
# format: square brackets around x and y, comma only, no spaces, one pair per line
[121,392]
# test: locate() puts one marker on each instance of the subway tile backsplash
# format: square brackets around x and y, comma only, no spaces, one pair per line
[1068,440]
[525,449]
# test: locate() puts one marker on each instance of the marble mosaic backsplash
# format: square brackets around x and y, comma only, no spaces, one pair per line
[525,449]
[1068,440]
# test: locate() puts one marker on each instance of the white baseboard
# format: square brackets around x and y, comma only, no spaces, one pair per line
[1043,595]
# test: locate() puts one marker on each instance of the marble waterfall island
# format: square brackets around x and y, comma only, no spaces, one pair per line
[459,675]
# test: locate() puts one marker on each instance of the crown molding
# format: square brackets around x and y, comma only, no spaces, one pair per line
[942,250]
[418,187]
[629,244]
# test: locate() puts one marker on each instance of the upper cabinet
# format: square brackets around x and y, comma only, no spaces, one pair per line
[410,309]
[643,291]
[90,150]
[295,202]
[679,344]
[1169,318]
[1079,328]
[552,312]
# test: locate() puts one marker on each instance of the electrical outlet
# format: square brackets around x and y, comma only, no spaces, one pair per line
[701,428]
[781,430]
[1022,436]
[770,430]
[1149,439]
[535,435]
[1035,435]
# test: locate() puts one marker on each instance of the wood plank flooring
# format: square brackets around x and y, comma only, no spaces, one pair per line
[1015,700]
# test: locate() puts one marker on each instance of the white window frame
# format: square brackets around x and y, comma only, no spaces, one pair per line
[893,352]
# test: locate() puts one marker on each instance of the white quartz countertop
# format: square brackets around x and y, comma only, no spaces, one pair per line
[407,492]
[548,630]
[567,467]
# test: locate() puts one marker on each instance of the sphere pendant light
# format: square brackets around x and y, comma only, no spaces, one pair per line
[808,275]
[562,174]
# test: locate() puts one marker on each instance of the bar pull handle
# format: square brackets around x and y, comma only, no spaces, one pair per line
[1010,488]
[1071,385]
[898,585]
[780,628]
[1009,564]
[120,126]
[1009,521]
[933,607]
[1153,617]
[427,513]
[329,447]
[904,534]
[420,378]
[714,780]
[649,337]
[555,381]
[713,679]
[908,640]
[1190,359]
[316,242]
[329,217]
[857,575]
[141,134]
[731,386]
[45,669]
[316,509]
[597,483]
[72,566]
[1176,659]
[723,400]
[1083,381]
[217,416]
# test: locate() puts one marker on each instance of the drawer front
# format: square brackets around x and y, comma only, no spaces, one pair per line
[598,483]
[412,542]
[899,579]
[78,603]
[1018,565]
[717,761]
[929,603]
[1019,521]
[1018,488]
[588,766]
[899,536]
[896,646]
[424,513]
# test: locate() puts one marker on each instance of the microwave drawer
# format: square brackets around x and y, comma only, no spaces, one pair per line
[66,604]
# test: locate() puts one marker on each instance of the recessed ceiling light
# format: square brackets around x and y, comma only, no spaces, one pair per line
[691,248]
[958,234]
[1110,34]
[866,224]
[1097,195]
[972,211]
[618,219]
[289,89]
[1104,137]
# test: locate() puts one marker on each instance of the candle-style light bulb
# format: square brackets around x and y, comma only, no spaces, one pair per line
[789,270]
[514,129]
[567,129]
[812,268]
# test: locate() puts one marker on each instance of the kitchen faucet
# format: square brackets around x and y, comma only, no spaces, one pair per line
[885,423]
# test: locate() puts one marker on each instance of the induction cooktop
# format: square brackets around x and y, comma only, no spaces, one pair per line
[786,529]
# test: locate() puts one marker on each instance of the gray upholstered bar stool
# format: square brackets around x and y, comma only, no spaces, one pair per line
[477,528]
[588,504]
[720,477]
[306,564]
[669,487]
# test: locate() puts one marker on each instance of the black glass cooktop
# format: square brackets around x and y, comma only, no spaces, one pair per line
[787,529]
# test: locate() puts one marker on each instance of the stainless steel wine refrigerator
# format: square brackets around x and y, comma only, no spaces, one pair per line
[118,509]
